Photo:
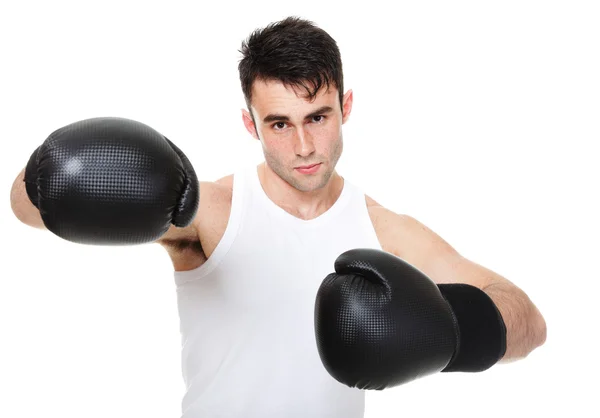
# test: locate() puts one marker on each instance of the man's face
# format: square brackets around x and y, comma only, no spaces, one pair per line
[297,133]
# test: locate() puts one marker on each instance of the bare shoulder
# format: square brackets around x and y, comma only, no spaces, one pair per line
[191,246]
[215,194]
[383,219]
[371,202]
[385,223]
[212,193]
[226,181]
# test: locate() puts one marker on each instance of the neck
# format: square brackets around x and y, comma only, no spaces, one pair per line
[304,205]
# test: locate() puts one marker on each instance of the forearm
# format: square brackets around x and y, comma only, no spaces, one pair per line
[525,326]
[21,206]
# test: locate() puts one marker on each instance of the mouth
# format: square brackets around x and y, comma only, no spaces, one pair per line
[308,169]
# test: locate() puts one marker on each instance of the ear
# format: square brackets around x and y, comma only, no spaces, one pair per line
[249,123]
[346,106]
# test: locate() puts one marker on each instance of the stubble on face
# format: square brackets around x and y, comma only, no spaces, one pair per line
[307,183]
[284,165]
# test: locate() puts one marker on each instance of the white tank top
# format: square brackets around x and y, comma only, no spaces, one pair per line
[247,314]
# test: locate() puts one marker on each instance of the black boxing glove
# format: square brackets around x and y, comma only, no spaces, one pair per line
[111,181]
[380,322]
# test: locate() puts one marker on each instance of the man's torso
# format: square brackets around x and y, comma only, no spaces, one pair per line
[211,222]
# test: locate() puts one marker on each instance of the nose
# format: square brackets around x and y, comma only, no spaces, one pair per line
[304,143]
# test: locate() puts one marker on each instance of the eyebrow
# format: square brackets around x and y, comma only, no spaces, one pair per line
[282,118]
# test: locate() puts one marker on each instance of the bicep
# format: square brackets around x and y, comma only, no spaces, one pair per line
[423,248]
[426,250]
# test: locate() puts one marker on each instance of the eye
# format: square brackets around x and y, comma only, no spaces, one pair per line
[278,126]
[319,118]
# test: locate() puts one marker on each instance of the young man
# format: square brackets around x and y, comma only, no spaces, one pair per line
[257,251]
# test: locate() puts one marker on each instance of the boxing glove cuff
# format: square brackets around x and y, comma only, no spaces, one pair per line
[188,203]
[482,332]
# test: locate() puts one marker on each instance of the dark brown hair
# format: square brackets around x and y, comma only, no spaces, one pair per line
[294,51]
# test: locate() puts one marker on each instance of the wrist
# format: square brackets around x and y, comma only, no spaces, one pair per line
[482,332]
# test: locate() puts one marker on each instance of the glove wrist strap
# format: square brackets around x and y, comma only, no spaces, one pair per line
[482,331]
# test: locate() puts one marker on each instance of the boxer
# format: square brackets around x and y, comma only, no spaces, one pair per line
[296,290]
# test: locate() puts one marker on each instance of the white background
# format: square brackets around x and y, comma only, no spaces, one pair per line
[480,119]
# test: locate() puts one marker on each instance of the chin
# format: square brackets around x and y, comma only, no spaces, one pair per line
[311,184]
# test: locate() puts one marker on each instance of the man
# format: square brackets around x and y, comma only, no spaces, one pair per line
[251,257]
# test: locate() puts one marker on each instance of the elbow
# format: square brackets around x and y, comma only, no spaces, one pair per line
[540,331]
[537,332]
[536,328]
[533,335]
[15,204]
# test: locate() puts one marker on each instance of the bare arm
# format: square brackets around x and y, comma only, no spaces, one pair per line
[182,244]
[412,241]
[21,206]
[189,248]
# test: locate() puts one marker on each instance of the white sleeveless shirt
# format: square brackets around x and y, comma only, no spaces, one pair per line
[247,314]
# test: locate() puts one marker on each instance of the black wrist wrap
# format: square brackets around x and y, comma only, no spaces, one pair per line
[482,332]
